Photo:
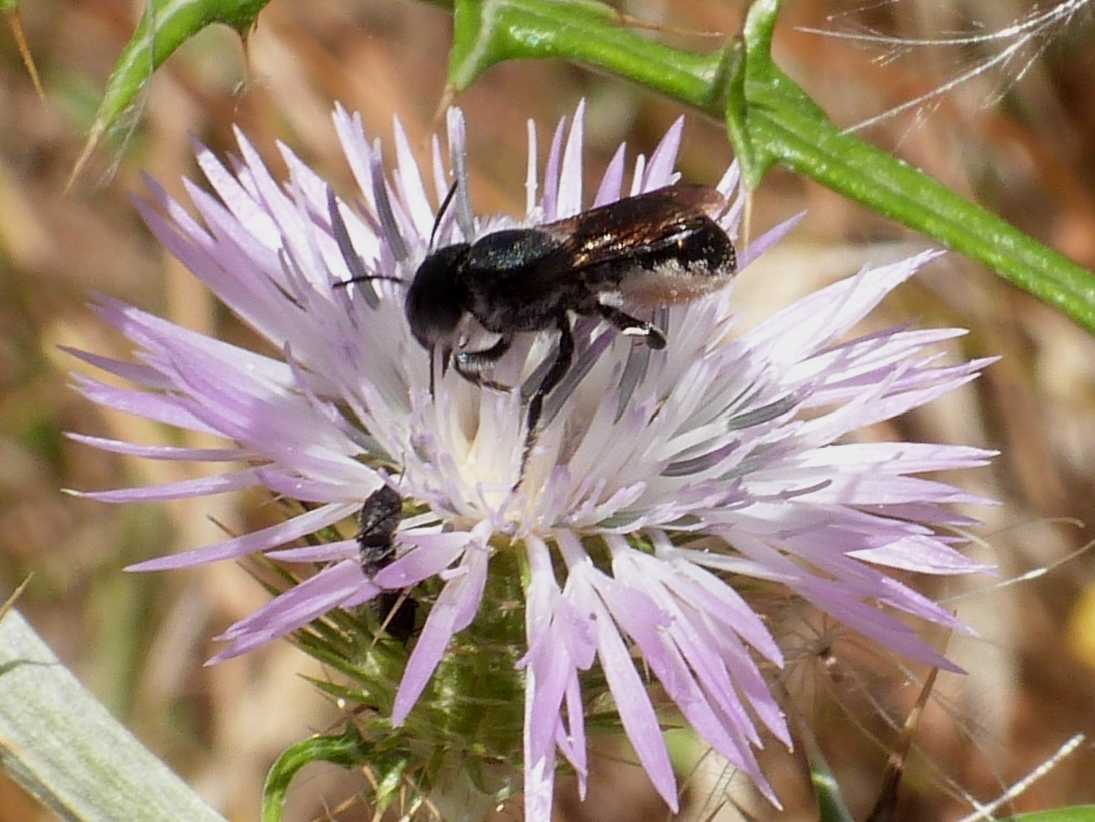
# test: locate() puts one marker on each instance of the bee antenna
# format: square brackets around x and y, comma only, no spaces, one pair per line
[364,278]
[346,247]
[441,211]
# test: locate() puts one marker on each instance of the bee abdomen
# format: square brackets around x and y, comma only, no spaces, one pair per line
[701,247]
[697,260]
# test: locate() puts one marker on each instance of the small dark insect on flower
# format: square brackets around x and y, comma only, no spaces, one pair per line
[379,519]
[653,249]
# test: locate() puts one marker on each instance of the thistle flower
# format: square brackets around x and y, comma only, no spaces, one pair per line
[660,481]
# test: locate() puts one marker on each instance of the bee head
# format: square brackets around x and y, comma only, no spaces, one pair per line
[436,299]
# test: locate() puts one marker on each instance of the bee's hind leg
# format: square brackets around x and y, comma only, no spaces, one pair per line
[632,326]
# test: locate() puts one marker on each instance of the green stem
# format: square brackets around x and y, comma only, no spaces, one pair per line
[346,749]
[787,127]
[486,32]
[770,119]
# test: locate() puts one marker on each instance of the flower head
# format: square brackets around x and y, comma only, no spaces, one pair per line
[658,480]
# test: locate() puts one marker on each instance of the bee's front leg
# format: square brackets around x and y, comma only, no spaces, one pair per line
[471,364]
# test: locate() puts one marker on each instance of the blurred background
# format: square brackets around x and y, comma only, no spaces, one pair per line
[1018,137]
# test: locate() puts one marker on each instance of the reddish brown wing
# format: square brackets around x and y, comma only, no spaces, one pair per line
[629,227]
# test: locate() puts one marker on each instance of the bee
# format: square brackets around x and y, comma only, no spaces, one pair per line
[636,254]
[378,520]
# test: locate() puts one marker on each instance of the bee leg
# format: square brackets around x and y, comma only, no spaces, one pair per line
[633,327]
[470,364]
[397,614]
[446,355]
[563,359]
[433,386]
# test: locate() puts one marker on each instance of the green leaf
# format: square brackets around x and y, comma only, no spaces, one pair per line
[165,25]
[67,750]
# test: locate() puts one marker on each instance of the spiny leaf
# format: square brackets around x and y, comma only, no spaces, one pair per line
[11,11]
[165,25]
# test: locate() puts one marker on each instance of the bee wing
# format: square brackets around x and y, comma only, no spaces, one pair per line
[630,227]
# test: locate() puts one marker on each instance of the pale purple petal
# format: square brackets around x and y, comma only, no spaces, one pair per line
[549,204]
[327,552]
[163,452]
[432,553]
[539,789]
[922,554]
[532,173]
[613,180]
[572,741]
[638,175]
[452,612]
[813,321]
[767,240]
[251,215]
[183,489]
[140,374]
[261,540]
[570,177]
[632,701]
[409,181]
[355,145]
[728,183]
[636,713]
[551,674]
[159,407]
[659,171]
[454,124]
[307,490]
[294,609]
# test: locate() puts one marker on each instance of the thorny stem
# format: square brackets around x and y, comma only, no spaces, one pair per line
[770,120]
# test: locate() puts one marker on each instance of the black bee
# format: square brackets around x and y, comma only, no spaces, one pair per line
[378,521]
[640,252]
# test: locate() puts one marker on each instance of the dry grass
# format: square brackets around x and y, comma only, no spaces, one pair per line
[138,642]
